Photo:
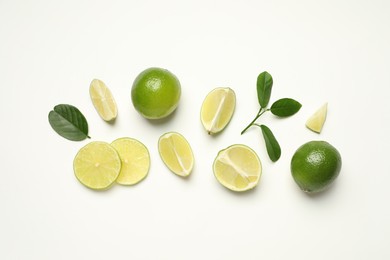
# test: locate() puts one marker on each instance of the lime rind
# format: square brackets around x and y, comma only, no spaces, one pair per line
[315,165]
[156,93]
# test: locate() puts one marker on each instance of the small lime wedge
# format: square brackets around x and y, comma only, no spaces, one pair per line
[238,168]
[217,109]
[103,100]
[176,153]
[97,165]
[135,160]
[317,120]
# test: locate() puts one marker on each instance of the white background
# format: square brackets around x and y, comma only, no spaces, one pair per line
[317,51]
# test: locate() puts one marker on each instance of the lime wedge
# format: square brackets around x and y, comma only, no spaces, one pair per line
[317,120]
[97,165]
[103,100]
[217,109]
[238,168]
[135,160]
[176,153]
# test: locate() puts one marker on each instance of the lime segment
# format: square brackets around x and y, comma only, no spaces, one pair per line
[97,165]
[135,160]
[238,168]
[176,153]
[217,109]
[317,120]
[103,100]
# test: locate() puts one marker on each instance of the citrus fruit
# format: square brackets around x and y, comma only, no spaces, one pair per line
[103,100]
[217,109]
[315,165]
[317,120]
[237,167]
[176,153]
[135,160]
[155,93]
[97,165]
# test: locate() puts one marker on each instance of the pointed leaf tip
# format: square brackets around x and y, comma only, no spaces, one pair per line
[272,145]
[285,107]
[264,88]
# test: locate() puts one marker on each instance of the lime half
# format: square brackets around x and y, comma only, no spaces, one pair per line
[97,165]
[237,167]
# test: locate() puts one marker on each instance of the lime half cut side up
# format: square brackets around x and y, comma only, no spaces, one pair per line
[135,160]
[237,168]
[97,165]
[176,153]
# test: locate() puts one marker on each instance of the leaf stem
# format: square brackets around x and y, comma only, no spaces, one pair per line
[261,111]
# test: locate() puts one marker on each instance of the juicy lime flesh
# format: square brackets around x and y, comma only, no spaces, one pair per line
[238,168]
[97,165]
[315,165]
[103,100]
[217,109]
[135,160]
[155,93]
[317,120]
[176,153]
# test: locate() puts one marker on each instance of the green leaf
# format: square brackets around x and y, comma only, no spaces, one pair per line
[69,122]
[272,145]
[264,87]
[285,107]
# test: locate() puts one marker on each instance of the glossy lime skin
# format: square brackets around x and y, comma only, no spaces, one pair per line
[155,93]
[315,165]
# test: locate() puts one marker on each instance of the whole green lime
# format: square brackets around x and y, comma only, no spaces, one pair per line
[315,165]
[155,93]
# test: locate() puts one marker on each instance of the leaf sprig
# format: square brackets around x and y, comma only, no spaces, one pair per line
[284,107]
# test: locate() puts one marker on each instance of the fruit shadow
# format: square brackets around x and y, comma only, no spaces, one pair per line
[322,194]
[247,193]
[164,120]
[111,122]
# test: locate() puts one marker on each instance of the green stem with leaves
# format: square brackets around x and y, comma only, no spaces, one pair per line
[261,111]
[282,108]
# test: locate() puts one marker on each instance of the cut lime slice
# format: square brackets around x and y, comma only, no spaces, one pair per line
[176,153]
[317,120]
[238,168]
[97,165]
[135,160]
[217,109]
[103,100]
